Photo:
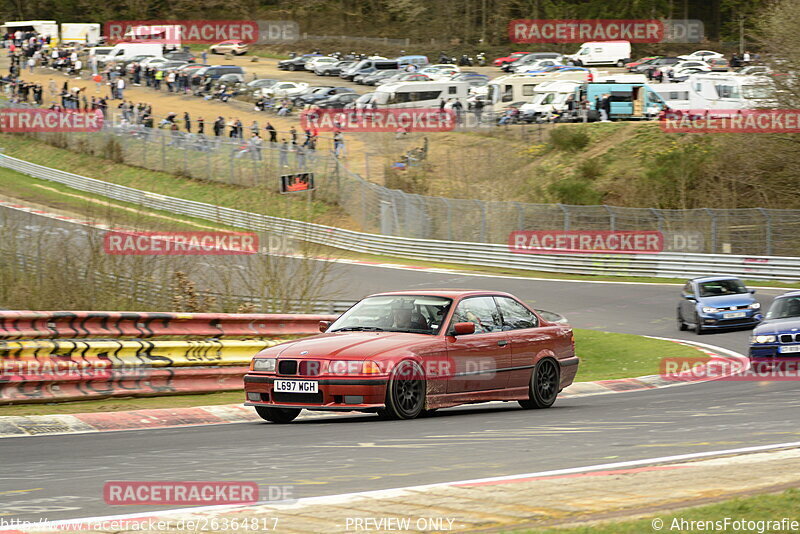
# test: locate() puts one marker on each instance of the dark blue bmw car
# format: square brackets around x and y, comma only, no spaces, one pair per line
[717,302]
[778,336]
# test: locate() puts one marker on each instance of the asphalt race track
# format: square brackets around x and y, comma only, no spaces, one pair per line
[60,477]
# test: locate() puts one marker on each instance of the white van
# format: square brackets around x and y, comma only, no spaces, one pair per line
[729,91]
[125,51]
[419,94]
[603,53]
[549,97]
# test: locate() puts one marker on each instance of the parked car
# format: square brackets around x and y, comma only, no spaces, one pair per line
[297,63]
[340,101]
[321,94]
[171,65]
[650,66]
[530,59]
[719,64]
[639,61]
[261,83]
[408,353]
[332,69]
[702,55]
[237,48]
[214,72]
[778,336]
[282,89]
[181,55]
[716,302]
[404,77]
[321,60]
[499,62]
[379,75]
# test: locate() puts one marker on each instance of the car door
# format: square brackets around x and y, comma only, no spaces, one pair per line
[526,338]
[480,361]
[686,305]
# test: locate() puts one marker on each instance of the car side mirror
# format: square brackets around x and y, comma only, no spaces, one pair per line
[323,325]
[463,329]
[689,297]
[752,290]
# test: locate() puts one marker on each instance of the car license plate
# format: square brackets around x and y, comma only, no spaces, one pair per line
[735,315]
[789,348]
[297,386]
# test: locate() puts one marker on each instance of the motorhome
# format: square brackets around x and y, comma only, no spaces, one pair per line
[711,90]
[674,95]
[81,33]
[603,53]
[506,90]
[45,28]
[419,94]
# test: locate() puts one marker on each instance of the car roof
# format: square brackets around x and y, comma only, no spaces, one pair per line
[714,278]
[450,293]
[789,294]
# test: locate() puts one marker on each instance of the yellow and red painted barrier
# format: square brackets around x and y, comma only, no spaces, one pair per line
[83,324]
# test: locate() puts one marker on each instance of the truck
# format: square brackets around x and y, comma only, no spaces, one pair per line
[80,33]
[45,28]
[602,53]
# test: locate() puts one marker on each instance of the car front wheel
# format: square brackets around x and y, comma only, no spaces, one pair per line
[698,325]
[277,415]
[405,393]
[543,389]
[681,325]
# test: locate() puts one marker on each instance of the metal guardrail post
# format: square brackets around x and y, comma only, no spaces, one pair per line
[566,216]
[713,229]
[612,218]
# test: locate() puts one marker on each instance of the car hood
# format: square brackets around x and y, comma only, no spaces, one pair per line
[726,301]
[777,326]
[353,345]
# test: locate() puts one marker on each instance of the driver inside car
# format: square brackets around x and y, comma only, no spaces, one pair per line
[405,317]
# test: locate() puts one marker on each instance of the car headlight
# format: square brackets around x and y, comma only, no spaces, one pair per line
[353,367]
[266,365]
[709,309]
[755,306]
[762,339]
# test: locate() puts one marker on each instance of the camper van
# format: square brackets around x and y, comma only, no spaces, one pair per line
[126,51]
[603,53]
[674,95]
[549,97]
[629,101]
[88,34]
[45,28]
[710,90]
[368,66]
[419,94]
[506,90]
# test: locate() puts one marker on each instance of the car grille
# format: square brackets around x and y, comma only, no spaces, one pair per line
[734,308]
[789,338]
[299,367]
[730,322]
[297,398]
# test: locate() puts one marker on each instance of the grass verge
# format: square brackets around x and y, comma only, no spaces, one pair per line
[604,356]
[759,508]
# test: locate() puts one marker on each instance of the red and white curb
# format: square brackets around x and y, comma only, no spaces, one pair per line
[81,423]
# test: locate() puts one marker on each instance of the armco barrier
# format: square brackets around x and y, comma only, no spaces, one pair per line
[87,385]
[45,356]
[665,264]
[80,324]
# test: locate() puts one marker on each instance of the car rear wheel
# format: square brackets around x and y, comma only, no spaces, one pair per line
[543,388]
[405,393]
[292,67]
[620,63]
[278,415]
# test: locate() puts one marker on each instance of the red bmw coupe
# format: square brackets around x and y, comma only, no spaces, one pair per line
[406,353]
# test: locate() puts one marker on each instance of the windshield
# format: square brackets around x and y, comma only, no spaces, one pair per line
[418,314]
[784,307]
[721,287]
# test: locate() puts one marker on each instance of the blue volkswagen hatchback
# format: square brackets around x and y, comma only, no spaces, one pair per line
[779,334]
[716,302]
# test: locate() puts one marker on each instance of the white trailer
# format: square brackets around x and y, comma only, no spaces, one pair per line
[419,94]
[45,28]
[82,33]
[710,90]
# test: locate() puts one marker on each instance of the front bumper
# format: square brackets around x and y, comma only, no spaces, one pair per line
[338,393]
[718,320]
